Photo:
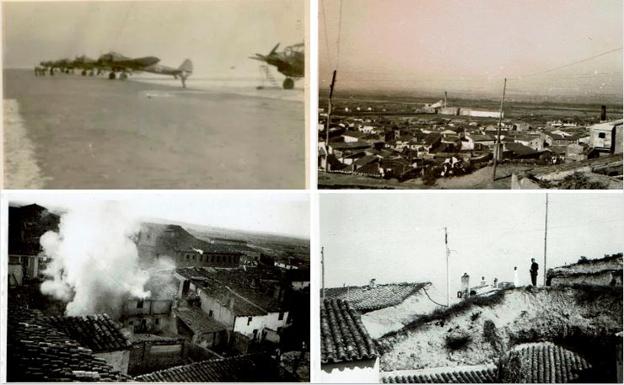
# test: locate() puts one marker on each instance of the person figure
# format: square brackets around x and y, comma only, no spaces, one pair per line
[483,281]
[516,281]
[495,283]
[533,271]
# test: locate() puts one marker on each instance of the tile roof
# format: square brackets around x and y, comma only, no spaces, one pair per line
[365,298]
[198,321]
[252,367]
[36,351]
[343,335]
[96,332]
[478,374]
[251,290]
[542,362]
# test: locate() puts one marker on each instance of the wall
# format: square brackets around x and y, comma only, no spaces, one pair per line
[258,323]
[605,278]
[149,356]
[220,313]
[359,372]
[18,275]
[118,359]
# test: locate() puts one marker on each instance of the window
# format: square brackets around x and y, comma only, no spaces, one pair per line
[602,135]
[281,316]
[249,320]
[210,314]
[140,304]
[157,321]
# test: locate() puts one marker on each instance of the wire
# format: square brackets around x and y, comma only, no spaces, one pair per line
[339,35]
[569,64]
[325,26]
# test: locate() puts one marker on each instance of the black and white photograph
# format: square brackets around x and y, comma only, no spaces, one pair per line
[481,94]
[154,94]
[158,287]
[468,288]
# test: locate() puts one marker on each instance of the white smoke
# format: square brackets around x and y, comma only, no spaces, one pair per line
[94,261]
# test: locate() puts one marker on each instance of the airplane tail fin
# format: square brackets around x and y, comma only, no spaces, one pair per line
[186,66]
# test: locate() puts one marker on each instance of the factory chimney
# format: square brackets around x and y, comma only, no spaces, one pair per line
[444,99]
[603,113]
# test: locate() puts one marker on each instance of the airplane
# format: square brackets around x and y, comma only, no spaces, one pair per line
[64,65]
[116,62]
[183,71]
[86,64]
[290,62]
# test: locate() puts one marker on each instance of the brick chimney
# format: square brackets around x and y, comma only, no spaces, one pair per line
[603,113]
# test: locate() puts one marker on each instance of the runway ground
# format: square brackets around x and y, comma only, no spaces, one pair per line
[84,132]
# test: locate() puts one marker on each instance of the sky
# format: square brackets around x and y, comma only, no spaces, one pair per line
[218,36]
[400,237]
[472,45]
[280,213]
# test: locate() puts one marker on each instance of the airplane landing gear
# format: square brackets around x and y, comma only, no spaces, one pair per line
[84,73]
[112,76]
[288,84]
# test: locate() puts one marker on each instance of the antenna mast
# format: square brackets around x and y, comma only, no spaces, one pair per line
[329,111]
[498,134]
[323,274]
[545,238]
[448,279]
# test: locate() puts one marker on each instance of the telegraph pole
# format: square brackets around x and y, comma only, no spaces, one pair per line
[448,278]
[323,274]
[498,134]
[545,239]
[329,111]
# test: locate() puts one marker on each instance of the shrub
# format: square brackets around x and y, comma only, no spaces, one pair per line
[457,341]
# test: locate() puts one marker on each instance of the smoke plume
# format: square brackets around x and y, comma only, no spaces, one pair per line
[94,263]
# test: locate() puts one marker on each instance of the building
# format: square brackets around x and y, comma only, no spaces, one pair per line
[243,368]
[26,226]
[100,334]
[247,302]
[348,353]
[38,351]
[147,315]
[388,307]
[606,137]
[151,352]
[199,328]
[156,241]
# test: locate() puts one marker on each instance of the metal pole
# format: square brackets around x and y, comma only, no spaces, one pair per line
[448,279]
[500,123]
[323,274]
[545,239]
[329,111]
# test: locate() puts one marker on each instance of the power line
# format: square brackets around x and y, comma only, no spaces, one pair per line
[569,64]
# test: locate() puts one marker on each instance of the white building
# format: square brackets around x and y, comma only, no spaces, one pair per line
[341,363]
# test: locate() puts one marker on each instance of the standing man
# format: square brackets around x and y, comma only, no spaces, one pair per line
[533,271]
[516,281]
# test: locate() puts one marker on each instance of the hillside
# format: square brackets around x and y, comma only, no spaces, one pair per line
[478,331]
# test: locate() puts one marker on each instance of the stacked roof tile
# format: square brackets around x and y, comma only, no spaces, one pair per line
[543,362]
[367,298]
[463,375]
[37,351]
[252,367]
[96,332]
[343,335]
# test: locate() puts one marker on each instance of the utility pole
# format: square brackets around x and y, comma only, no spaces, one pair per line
[329,111]
[545,239]
[323,274]
[448,278]
[498,134]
